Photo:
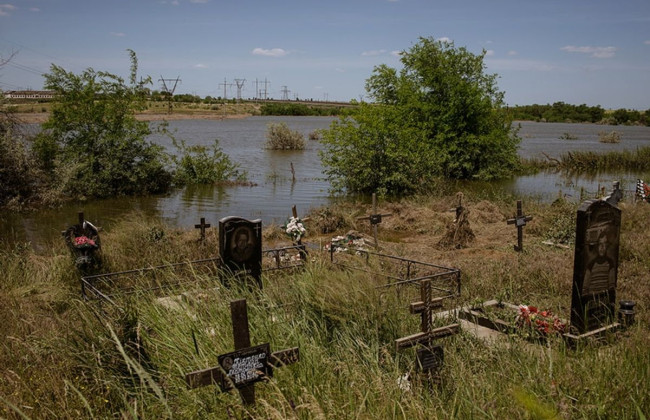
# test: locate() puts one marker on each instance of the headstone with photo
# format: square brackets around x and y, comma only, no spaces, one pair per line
[595,266]
[240,246]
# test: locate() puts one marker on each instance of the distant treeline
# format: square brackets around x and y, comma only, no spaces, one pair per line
[300,109]
[562,112]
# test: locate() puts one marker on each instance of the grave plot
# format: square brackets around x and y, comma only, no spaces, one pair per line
[241,258]
[593,300]
[425,286]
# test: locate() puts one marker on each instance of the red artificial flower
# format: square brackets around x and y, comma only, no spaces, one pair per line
[83,240]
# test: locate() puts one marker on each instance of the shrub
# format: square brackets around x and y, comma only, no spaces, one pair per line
[197,166]
[281,137]
[92,140]
[611,137]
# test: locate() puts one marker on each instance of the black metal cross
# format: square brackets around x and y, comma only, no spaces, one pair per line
[520,221]
[203,226]
[374,218]
[246,365]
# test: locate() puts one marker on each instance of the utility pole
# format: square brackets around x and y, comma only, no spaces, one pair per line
[285,93]
[169,92]
[240,85]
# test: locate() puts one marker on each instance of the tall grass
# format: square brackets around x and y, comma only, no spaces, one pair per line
[62,357]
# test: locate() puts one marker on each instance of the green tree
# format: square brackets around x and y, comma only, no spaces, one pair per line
[438,116]
[93,143]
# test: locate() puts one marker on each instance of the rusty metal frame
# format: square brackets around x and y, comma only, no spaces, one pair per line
[89,283]
[444,274]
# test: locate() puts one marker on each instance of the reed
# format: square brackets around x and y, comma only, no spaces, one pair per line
[588,161]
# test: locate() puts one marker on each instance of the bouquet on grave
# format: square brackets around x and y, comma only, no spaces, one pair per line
[540,322]
[294,228]
[83,242]
[342,243]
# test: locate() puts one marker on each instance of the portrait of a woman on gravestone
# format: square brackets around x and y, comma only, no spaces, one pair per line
[242,245]
[600,274]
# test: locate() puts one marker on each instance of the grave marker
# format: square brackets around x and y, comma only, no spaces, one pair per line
[520,221]
[595,266]
[203,226]
[303,249]
[240,246]
[430,357]
[245,366]
[375,218]
[83,241]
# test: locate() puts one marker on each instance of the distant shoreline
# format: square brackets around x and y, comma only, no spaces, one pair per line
[40,118]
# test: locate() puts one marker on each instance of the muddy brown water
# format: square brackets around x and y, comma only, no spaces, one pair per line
[274,191]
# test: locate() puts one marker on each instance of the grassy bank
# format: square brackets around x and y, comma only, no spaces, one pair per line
[61,358]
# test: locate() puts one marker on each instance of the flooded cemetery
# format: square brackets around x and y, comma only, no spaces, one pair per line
[445,307]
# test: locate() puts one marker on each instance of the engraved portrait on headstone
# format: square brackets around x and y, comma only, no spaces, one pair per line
[595,265]
[240,246]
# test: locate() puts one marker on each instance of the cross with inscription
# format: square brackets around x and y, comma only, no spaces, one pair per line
[203,226]
[246,365]
[429,358]
[374,218]
[520,221]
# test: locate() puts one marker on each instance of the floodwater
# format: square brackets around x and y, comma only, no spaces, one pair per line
[274,189]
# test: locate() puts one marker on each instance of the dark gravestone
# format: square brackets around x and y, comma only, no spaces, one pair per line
[595,266]
[240,246]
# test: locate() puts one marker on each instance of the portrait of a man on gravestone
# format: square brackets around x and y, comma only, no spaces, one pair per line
[243,244]
[600,273]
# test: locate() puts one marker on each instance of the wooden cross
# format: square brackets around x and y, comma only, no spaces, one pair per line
[424,307]
[520,221]
[374,218]
[430,357]
[203,226]
[246,365]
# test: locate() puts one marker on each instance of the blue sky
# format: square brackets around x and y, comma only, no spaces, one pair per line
[576,51]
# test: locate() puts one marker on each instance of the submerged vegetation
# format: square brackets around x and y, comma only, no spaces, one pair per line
[592,162]
[280,137]
[62,357]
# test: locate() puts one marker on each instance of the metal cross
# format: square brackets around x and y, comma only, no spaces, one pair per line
[203,226]
[520,221]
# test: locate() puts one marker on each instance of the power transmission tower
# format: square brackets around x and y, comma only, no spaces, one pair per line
[225,85]
[240,85]
[169,92]
[266,91]
[285,93]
